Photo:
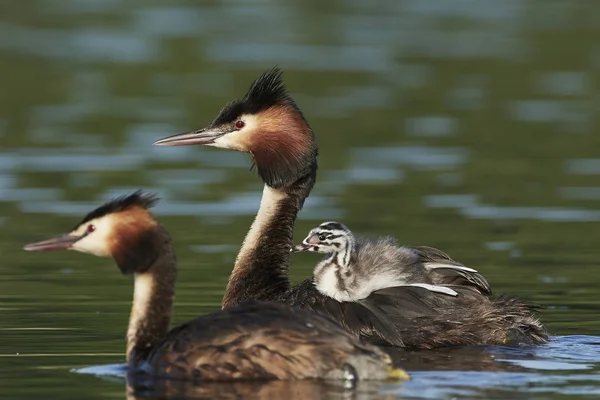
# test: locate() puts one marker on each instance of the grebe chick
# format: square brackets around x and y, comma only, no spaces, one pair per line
[356,266]
[255,340]
[267,124]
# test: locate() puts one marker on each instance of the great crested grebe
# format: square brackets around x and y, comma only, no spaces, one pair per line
[268,124]
[255,340]
[356,267]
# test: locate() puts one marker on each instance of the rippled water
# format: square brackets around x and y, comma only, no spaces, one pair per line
[466,125]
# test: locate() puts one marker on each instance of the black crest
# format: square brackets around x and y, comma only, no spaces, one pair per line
[266,91]
[138,198]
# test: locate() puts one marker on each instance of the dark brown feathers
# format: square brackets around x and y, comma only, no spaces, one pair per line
[138,198]
[264,341]
[468,319]
[284,150]
[138,242]
[414,317]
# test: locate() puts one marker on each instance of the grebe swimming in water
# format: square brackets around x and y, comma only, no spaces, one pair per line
[255,340]
[268,124]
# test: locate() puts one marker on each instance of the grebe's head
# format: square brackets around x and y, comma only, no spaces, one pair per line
[329,237]
[266,123]
[122,228]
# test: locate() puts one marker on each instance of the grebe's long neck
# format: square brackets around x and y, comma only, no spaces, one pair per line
[154,291]
[261,269]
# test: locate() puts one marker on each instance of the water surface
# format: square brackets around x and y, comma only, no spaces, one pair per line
[469,126]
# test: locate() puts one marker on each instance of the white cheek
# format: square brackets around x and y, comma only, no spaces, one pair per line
[97,242]
[238,140]
[92,244]
[232,141]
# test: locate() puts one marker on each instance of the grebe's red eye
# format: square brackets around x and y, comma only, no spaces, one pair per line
[91,228]
[240,124]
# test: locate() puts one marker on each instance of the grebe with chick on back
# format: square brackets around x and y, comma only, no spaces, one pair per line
[254,340]
[268,124]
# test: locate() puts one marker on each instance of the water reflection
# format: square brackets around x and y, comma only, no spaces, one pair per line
[257,390]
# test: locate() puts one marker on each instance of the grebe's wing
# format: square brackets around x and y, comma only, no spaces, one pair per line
[445,271]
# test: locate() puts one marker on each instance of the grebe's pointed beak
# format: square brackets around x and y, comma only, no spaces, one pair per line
[61,242]
[204,136]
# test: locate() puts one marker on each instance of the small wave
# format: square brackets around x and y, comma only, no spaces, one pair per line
[104,371]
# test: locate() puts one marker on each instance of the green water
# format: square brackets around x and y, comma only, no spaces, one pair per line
[466,125]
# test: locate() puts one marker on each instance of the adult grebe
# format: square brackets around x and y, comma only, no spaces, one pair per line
[355,266]
[268,124]
[255,340]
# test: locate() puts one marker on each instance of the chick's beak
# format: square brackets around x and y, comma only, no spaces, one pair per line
[298,248]
[61,242]
[203,136]
[307,243]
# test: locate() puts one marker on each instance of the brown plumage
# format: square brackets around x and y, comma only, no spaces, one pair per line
[287,164]
[468,319]
[255,340]
[265,341]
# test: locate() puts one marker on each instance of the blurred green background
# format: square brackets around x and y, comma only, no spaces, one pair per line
[466,125]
